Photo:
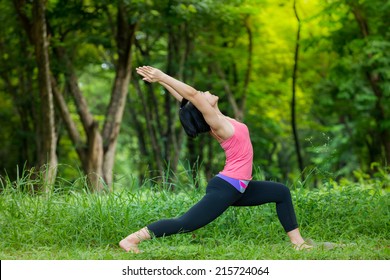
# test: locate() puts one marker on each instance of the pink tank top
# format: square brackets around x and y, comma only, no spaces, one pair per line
[239,153]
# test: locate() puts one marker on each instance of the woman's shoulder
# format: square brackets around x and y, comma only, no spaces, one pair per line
[230,119]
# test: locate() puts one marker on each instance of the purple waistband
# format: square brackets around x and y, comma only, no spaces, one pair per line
[239,185]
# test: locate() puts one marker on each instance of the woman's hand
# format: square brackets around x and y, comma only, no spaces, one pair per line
[150,74]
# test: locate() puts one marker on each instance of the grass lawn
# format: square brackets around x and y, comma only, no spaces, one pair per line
[83,226]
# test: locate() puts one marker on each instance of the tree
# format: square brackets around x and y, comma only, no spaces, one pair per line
[19,96]
[375,78]
[97,153]
[355,90]
[46,136]
[293,98]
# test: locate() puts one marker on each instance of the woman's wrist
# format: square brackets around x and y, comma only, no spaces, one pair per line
[162,77]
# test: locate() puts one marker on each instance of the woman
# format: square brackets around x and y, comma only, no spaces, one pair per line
[233,186]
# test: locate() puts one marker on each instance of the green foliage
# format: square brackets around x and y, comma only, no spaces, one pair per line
[378,178]
[357,83]
[342,120]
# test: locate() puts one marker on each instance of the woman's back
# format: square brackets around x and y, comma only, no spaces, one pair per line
[239,153]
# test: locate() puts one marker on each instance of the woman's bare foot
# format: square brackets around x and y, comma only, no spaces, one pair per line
[130,243]
[297,240]
[303,246]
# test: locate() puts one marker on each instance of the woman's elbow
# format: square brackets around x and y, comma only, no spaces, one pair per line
[193,93]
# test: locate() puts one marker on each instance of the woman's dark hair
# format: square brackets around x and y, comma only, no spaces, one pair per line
[192,119]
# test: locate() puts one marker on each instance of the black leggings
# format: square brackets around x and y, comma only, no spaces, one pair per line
[219,196]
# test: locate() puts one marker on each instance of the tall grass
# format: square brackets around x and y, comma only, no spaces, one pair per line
[71,223]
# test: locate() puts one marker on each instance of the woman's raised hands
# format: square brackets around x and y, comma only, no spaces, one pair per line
[150,74]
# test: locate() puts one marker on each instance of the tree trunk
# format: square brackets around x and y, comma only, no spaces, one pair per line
[124,41]
[90,154]
[95,159]
[293,99]
[46,137]
[97,155]
[47,158]
[69,124]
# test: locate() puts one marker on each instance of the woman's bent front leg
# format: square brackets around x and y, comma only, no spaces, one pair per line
[219,196]
[262,192]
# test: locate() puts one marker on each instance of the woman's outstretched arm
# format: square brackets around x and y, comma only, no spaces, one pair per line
[173,92]
[151,74]
[219,125]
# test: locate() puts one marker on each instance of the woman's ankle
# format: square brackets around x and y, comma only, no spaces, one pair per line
[133,239]
[138,236]
[130,243]
[295,237]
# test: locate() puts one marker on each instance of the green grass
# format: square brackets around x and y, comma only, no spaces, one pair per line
[79,225]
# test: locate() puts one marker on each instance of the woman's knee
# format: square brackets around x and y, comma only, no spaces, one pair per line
[284,191]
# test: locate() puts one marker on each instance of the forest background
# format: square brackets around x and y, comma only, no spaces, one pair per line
[89,152]
[310,78]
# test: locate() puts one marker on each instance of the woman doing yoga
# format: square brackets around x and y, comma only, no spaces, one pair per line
[233,186]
